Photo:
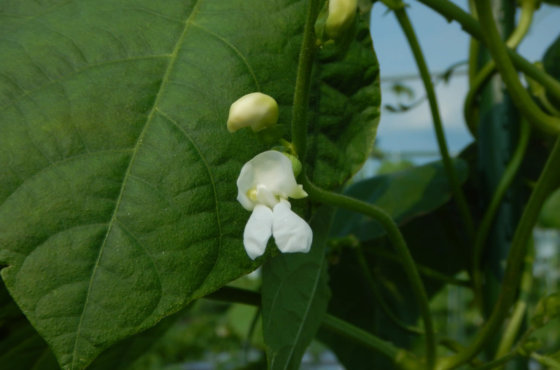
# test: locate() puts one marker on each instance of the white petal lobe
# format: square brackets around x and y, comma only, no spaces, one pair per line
[257,231]
[291,232]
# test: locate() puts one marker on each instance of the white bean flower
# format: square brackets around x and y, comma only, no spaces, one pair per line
[264,186]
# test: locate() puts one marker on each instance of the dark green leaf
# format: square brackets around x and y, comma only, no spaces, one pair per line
[294,298]
[345,102]
[404,195]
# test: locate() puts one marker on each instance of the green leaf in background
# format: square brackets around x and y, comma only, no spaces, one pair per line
[295,295]
[404,195]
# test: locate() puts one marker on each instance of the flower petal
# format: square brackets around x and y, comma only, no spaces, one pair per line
[264,196]
[257,231]
[270,169]
[246,182]
[291,232]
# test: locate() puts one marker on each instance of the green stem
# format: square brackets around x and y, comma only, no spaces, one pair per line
[456,347]
[525,20]
[548,181]
[514,324]
[488,218]
[303,80]
[396,238]
[361,336]
[452,12]
[549,362]
[474,49]
[519,95]
[404,21]
[470,109]
[498,362]
[429,273]
[379,296]
[331,323]
[480,79]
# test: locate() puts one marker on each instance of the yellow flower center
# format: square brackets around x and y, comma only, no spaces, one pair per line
[252,194]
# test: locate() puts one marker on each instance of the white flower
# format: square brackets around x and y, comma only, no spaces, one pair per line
[264,186]
[341,14]
[255,110]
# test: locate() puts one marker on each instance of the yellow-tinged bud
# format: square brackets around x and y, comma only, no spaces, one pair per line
[255,110]
[341,14]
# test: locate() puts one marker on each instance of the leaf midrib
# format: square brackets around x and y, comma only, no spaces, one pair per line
[304,316]
[172,60]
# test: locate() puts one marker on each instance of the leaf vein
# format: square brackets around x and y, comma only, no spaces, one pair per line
[212,181]
[146,251]
[78,71]
[149,119]
[53,164]
[237,52]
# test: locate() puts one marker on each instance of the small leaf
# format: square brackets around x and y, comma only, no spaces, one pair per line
[294,298]
[547,309]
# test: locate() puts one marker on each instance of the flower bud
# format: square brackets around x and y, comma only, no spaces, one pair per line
[341,14]
[255,110]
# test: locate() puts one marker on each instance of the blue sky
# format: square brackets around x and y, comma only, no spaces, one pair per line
[443,44]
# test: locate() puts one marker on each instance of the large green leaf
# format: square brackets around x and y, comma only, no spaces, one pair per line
[117,175]
[117,184]
[404,195]
[295,295]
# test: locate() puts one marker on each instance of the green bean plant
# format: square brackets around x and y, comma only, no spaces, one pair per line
[153,153]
